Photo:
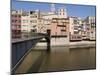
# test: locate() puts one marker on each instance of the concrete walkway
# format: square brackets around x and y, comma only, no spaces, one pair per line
[78,43]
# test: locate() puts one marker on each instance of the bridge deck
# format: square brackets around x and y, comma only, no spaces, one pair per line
[26,39]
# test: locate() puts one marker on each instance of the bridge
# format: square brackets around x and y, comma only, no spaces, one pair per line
[21,47]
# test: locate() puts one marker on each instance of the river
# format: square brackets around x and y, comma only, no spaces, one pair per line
[58,59]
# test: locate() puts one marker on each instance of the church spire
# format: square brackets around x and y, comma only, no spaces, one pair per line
[53,8]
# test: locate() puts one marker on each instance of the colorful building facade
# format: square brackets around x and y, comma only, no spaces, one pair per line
[59,27]
[16,24]
[57,21]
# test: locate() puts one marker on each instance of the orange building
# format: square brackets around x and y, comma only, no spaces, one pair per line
[59,27]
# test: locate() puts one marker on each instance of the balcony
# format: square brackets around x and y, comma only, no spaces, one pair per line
[61,25]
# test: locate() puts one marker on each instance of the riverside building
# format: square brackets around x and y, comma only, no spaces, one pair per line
[57,21]
[91,27]
[75,29]
[60,31]
[25,24]
[16,23]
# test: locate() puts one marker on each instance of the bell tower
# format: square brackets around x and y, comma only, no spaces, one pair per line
[62,12]
[53,8]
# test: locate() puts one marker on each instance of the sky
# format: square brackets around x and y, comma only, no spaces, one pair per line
[81,11]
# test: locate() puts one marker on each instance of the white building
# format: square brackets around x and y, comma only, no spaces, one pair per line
[91,27]
[75,28]
[33,20]
[37,21]
[25,24]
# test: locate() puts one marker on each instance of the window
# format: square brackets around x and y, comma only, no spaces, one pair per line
[34,16]
[60,13]
[33,21]
[19,16]
[15,15]
[15,20]
[12,20]
[63,13]
[18,26]
[19,21]
[12,15]
[75,32]
[33,30]
[31,12]
[25,21]
[34,26]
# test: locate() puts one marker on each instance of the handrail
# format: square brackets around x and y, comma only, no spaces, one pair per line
[37,36]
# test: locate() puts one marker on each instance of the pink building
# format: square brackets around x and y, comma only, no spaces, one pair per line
[59,27]
[16,24]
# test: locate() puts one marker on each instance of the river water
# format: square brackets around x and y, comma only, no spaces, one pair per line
[58,59]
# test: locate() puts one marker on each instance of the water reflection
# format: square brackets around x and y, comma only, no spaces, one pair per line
[58,59]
